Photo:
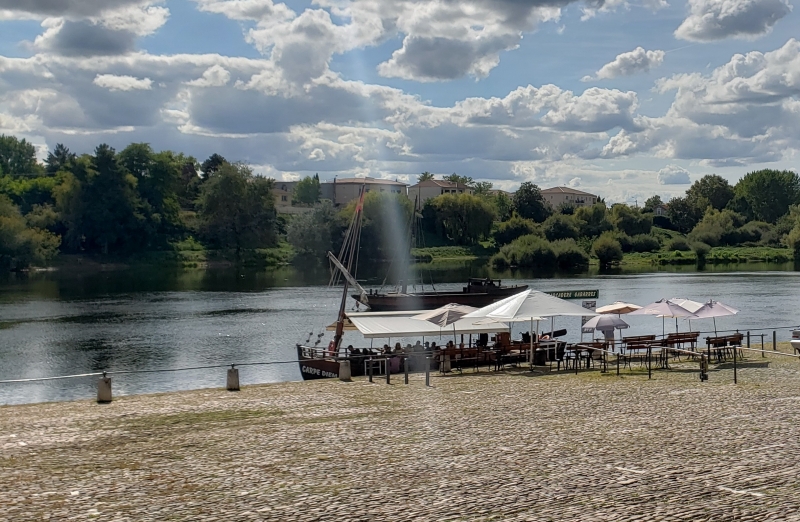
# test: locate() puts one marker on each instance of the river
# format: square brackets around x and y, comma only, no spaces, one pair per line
[56,323]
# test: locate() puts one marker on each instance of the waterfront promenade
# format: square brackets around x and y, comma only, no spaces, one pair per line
[486,446]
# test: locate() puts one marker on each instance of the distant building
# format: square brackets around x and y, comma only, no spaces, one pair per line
[660,210]
[428,189]
[345,190]
[283,198]
[557,195]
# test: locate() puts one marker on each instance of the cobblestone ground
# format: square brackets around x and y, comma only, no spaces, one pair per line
[485,446]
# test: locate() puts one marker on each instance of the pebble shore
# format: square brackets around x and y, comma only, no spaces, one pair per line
[481,446]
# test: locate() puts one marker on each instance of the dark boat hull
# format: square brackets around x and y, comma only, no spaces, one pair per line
[317,368]
[431,300]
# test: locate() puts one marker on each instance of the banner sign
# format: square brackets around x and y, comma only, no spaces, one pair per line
[575,294]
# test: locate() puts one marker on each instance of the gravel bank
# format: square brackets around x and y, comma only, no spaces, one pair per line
[486,446]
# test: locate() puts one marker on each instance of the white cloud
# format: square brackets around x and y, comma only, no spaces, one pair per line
[574,182]
[711,20]
[122,83]
[214,76]
[673,175]
[629,63]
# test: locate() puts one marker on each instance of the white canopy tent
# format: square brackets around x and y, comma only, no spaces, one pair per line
[379,325]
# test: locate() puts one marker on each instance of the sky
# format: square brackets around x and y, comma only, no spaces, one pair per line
[621,99]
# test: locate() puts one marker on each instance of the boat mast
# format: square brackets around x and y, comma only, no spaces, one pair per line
[348,248]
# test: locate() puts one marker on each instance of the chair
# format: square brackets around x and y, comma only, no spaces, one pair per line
[560,352]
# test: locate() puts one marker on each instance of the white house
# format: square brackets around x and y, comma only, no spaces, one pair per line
[557,195]
[428,189]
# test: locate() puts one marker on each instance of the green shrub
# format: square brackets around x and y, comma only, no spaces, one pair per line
[508,231]
[645,243]
[624,241]
[560,226]
[607,249]
[527,251]
[569,255]
[701,250]
[678,244]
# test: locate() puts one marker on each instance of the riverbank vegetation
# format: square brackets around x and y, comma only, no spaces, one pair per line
[141,206]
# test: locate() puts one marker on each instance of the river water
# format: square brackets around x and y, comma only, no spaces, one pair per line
[56,323]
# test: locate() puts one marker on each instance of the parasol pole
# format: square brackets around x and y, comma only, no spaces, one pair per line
[715,325]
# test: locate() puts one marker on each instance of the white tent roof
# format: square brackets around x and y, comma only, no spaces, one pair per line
[377,325]
[529,305]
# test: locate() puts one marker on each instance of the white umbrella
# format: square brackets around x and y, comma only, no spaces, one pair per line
[618,307]
[690,305]
[663,308]
[604,323]
[714,309]
[446,315]
[529,305]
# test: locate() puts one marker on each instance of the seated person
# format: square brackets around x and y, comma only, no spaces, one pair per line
[526,337]
[353,351]
[398,348]
[417,346]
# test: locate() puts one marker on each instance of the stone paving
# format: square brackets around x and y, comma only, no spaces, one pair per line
[485,446]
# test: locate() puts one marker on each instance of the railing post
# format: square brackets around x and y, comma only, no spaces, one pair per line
[369,361]
[774,341]
[232,383]
[428,370]
[619,354]
[649,367]
[405,368]
[104,389]
[762,346]
[388,372]
[735,349]
[748,338]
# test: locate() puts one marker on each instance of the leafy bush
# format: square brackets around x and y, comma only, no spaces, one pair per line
[560,226]
[754,231]
[678,244]
[569,255]
[527,251]
[624,241]
[607,249]
[701,250]
[645,243]
[631,220]
[508,231]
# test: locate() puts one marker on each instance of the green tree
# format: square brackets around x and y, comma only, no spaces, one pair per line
[682,214]
[652,203]
[508,231]
[769,193]
[313,233]
[237,210]
[462,180]
[592,221]
[59,159]
[529,203]
[717,228]
[482,189]
[307,191]
[503,206]
[711,190]
[559,226]
[463,219]
[21,245]
[18,157]
[425,176]
[607,249]
[630,220]
[212,165]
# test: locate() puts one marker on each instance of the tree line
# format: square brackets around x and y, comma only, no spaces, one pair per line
[113,203]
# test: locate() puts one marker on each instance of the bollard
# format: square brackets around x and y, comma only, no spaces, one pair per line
[735,349]
[618,356]
[369,362]
[427,371]
[345,371]
[649,366]
[405,369]
[104,389]
[774,341]
[748,339]
[703,368]
[762,346]
[388,372]
[233,379]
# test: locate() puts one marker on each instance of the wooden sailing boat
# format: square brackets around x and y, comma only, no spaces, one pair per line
[323,363]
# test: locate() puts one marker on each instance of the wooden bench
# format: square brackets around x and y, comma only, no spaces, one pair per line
[638,339]
[678,339]
[722,344]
